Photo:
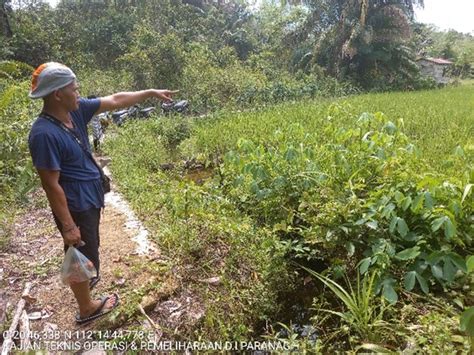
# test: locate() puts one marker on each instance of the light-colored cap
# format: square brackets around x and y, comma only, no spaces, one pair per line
[49,77]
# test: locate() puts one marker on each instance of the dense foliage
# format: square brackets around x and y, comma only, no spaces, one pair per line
[382,198]
[16,173]
[156,41]
[327,184]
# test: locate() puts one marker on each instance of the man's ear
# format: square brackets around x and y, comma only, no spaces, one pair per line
[57,95]
[52,97]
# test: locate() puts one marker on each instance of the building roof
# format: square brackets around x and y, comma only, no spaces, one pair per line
[437,61]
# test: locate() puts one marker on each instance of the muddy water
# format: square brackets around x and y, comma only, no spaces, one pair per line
[198,176]
[296,312]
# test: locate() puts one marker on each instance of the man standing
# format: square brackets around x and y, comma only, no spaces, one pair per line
[60,151]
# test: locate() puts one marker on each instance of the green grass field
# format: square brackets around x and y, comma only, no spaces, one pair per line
[376,185]
[437,121]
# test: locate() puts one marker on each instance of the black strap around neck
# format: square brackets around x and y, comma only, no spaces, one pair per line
[66,129]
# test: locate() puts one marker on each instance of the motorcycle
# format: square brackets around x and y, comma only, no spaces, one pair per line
[100,122]
[170,107]
[133,112]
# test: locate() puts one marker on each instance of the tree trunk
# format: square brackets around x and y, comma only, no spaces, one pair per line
[4,22]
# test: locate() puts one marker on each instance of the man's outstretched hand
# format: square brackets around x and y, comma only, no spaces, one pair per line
[125,99]
[165,95]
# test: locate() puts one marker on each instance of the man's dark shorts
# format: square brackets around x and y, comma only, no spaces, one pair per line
[88,223]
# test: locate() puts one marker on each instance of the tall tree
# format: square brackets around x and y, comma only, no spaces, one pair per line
[354,37]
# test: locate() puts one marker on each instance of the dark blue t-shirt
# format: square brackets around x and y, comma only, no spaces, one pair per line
[52,148]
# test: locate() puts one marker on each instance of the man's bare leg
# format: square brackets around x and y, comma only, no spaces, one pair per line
[87,305]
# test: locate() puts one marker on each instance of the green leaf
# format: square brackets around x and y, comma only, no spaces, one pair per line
[437,271]
[291,154]
[408,254]
[254,187]
[437,223]
[428,181]
[435,257]
[393,224]
[399,197]
[458,261]
[428,201]
[364,265]
[279,182]
[406,203]
[449,270]
[248,168]
[417,203]
[423,283]
[260,173]
[350,248]
[390,128]
[388,210]
[402,227]
[390,294]
[449,229]
[411,237]
[458,302]
[459,152]
[360,222]
[470,264]
[372,225]
[421,265]
[409,280]
[344,229]
[467,321]
[467,189]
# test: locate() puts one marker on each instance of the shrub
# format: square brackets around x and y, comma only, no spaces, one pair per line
[17,177]
[356,187]
[215,80]
[16,113]
[154,60]
[195,227]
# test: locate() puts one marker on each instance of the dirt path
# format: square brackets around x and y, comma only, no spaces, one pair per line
[131,265]
[35,254]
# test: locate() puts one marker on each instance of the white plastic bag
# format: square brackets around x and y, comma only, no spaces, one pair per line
[76,267]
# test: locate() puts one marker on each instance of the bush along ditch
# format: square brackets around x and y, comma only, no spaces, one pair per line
[204,235]
[357,188]
[360,193]
[17,177]
[354,196]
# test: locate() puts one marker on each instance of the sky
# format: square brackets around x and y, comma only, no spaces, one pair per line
[445,14]
[452,14]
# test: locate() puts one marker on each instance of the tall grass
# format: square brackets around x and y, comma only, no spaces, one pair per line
[363,310]
[316,179]
[438,121]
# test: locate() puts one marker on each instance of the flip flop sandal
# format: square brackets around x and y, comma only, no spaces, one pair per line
[100,311]
[93,282]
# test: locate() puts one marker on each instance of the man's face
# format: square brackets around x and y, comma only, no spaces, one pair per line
[69,96]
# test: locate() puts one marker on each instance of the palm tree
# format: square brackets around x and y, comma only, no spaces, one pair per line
[357,36]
